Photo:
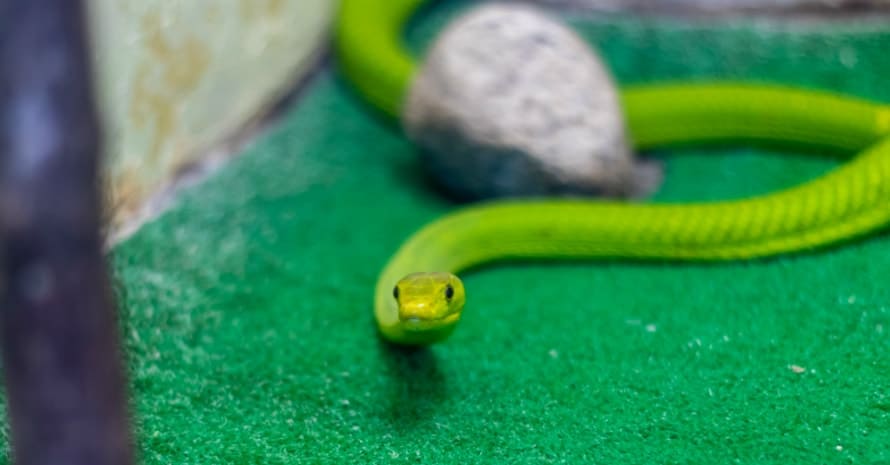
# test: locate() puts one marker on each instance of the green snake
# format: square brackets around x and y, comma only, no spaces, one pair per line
[418,298]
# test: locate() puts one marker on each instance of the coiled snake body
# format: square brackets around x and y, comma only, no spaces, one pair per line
[418,299]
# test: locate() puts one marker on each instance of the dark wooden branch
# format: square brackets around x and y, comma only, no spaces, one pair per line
[61,356]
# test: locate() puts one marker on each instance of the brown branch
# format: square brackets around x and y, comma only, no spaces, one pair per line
[61,355]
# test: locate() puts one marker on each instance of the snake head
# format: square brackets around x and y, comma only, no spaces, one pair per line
[429,301]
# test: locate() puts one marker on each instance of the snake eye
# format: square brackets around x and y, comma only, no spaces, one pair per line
[449,292]
[395,292]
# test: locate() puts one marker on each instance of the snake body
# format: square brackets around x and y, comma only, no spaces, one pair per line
[851,200]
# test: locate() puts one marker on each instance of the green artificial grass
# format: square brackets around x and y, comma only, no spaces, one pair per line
[249,331]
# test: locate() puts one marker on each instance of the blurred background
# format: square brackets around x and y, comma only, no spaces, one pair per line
[180,90]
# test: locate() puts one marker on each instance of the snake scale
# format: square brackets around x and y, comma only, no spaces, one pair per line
[418,299]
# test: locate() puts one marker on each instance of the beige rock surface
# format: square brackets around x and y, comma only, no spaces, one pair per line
[176,79]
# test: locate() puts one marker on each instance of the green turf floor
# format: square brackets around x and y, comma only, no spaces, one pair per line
[250,334]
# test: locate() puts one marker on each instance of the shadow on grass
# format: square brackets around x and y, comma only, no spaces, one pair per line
[417,386]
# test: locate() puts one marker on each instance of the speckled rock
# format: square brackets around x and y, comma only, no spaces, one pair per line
[828,9]
[510,102]
[183,85]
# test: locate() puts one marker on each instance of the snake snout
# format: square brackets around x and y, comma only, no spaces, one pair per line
[416,311]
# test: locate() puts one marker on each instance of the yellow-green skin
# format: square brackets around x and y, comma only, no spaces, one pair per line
[427,304]
[850,201]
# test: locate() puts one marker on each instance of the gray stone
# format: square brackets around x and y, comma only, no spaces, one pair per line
[827,9]
[510,102]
